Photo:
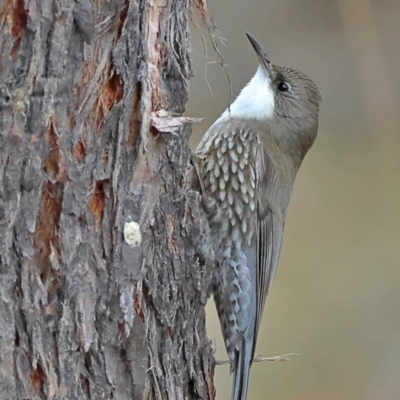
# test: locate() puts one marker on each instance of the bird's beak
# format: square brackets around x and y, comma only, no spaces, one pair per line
[262,55]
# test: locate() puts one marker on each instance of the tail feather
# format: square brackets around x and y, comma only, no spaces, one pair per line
[245,351]
[242,364]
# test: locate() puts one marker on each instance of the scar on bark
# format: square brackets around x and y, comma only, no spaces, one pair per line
[45,238]
[111,92]
[97,202]
[38,378]
[15,13]
[79,151]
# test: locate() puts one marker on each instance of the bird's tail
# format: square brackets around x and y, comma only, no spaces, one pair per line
[242,364]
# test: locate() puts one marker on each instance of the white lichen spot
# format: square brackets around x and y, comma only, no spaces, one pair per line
[132,234]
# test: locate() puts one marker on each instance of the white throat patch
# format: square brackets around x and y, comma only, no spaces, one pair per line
[255,101]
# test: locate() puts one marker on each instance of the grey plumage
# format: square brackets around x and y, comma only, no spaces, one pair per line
[249,159]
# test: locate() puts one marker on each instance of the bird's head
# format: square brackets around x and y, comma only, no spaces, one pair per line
[283,98]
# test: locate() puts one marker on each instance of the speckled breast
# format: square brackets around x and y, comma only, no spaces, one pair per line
[230,178]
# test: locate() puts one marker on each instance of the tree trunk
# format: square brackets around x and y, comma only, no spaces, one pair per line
[102,296]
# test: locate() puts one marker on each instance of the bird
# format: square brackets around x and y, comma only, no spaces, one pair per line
[248,160]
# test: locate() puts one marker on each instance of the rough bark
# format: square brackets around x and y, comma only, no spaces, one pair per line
[102,296]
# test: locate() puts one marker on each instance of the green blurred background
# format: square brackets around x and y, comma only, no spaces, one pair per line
[336,296]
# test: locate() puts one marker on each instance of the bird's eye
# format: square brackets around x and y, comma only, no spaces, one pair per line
[283,87]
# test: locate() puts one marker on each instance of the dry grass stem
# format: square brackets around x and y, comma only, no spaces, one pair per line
[262,358]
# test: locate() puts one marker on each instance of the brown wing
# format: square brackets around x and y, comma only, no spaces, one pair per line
[271,219]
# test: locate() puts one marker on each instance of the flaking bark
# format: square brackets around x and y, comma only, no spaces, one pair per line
[86,312]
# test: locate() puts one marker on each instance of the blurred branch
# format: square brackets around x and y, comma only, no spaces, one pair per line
[262,358]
